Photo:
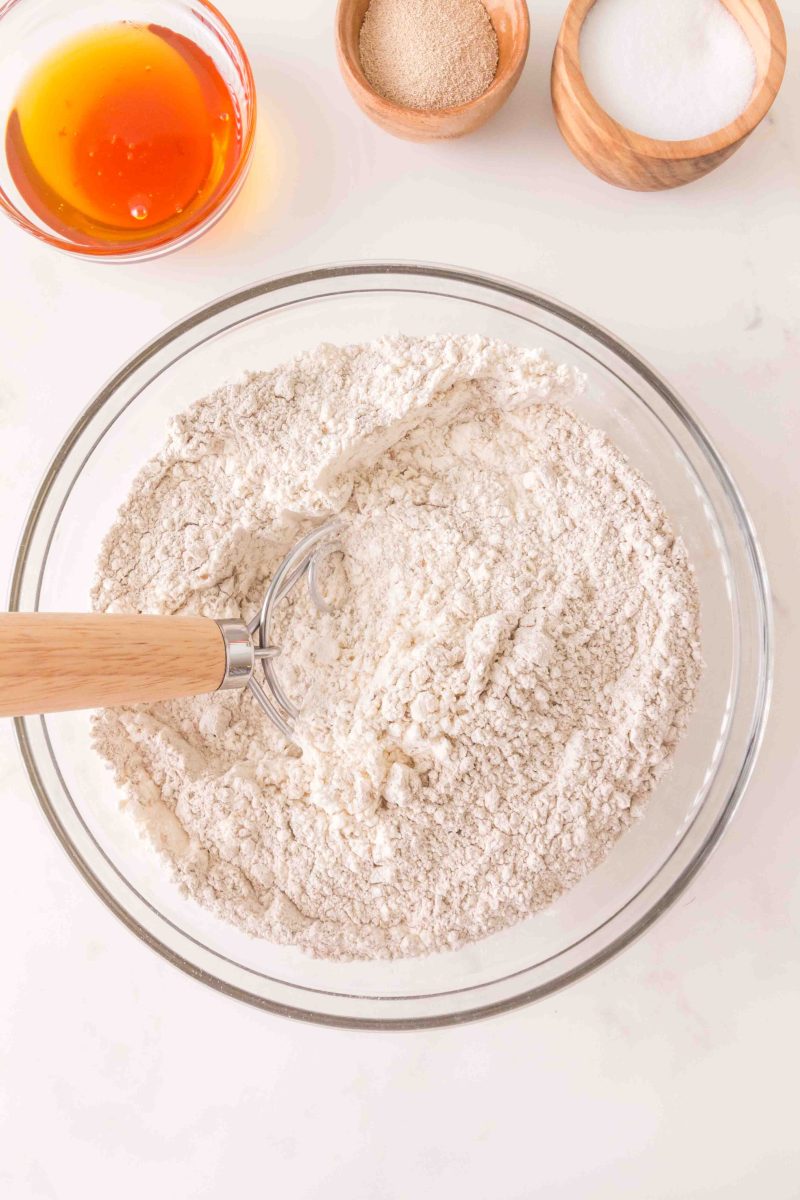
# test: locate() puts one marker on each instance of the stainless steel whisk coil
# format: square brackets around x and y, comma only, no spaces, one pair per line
[248,645]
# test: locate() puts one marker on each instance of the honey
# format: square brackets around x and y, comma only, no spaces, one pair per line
[125,133]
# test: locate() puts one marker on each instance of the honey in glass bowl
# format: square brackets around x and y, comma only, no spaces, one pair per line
[123,129]
[129,137]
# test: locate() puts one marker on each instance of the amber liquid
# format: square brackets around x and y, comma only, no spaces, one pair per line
[127,133]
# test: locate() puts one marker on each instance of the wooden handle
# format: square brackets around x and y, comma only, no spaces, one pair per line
[52,662]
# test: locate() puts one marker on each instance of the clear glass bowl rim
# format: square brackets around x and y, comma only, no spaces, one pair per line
[373,270]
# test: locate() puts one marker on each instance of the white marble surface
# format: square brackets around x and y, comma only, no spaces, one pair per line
[672,1072]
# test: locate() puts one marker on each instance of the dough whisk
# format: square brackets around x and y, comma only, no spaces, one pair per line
[55,662]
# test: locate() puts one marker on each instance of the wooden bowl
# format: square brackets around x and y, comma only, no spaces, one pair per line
[644,164]
[512,26]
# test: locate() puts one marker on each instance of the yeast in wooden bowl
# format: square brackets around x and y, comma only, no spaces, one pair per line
[631,160]
[512,27]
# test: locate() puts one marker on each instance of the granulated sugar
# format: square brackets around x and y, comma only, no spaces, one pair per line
[428,54]
[671,69]
[511,660]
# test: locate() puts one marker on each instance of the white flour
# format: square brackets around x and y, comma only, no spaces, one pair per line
[512,660]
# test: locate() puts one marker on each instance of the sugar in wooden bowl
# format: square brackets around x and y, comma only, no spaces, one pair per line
[652,95]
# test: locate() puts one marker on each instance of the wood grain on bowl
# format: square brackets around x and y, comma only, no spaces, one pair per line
[630,160]
[512,27]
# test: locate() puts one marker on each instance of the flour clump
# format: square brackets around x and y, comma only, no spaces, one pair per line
[511,655]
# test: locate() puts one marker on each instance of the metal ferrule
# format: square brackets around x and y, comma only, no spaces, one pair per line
[240,654]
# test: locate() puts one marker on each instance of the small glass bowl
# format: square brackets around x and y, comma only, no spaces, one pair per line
[256,329]
[31,29]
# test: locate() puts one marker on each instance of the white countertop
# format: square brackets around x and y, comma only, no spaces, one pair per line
[671,1072]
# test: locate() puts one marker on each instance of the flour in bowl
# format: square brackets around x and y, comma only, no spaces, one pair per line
[511,659]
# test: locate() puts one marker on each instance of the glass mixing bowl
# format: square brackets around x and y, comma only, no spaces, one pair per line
[650,866]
